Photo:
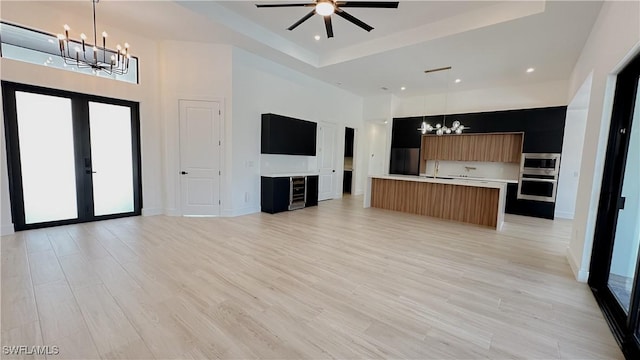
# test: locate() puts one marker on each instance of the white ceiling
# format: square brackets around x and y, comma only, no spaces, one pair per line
[488,43]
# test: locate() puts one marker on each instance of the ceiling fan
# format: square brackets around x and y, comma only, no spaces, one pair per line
[326,8]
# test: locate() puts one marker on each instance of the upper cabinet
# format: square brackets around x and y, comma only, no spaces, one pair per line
[288,136]
[473,147]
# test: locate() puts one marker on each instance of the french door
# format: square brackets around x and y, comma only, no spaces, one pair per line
[614,273]
[71,157]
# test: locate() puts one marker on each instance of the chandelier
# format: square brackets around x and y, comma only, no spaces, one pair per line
[442,129]
[85,55]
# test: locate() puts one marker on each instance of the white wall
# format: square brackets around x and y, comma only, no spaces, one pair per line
[48,18]
[262,86]
[201,72]
[378,119]
[377,145]
[572,143]
[614,39]
[536,95]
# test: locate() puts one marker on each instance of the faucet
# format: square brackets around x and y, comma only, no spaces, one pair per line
[435,169]
[469,168]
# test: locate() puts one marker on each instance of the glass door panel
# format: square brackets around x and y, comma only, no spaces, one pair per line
[111,158]
[47,160]
[627,233]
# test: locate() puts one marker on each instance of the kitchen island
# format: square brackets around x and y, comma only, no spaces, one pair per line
[471,201]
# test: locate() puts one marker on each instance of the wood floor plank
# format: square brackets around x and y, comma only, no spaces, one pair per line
[112,332]
[334,281]
[26,335]
[45,267]
[59,314]
[78,271]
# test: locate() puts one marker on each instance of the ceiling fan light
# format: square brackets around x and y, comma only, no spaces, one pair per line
[325,8]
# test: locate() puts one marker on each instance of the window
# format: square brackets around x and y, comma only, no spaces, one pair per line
[35,47]
[72,157]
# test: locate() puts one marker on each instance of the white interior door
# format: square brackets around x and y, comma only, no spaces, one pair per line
[326,159]
[200,157]
[377,146]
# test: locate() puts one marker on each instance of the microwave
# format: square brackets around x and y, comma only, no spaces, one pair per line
[549,163]
[539,177]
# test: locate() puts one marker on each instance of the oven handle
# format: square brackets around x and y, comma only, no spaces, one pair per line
[538,180]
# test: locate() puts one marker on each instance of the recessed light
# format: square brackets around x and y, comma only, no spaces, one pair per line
[530,70]
[458,80]
[403,88]
[317,37]
[386,122]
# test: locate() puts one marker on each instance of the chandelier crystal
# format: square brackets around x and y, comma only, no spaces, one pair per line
[98,58]
[442,129]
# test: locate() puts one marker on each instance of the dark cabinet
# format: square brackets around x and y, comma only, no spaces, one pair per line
[287,136]
[312,191]
[544,130]
[275,193]
[533,208]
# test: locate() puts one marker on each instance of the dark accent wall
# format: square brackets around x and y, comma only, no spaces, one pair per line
[543,127]
[543,130]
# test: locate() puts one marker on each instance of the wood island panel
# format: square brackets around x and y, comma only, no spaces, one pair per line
[470,204]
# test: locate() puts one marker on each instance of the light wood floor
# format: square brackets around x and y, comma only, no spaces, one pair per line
[334,281]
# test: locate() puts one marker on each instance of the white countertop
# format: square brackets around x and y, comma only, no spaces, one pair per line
[465,182]
[508,181]
[290,174]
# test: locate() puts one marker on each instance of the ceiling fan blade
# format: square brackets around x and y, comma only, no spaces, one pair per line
[370,4]
[343,14]
[328,26]
[305,18]
[284,5]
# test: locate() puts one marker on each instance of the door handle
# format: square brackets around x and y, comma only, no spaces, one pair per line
[621,202]
[184,172]
[88,171]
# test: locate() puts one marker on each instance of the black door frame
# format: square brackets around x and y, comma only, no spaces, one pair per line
[622,326]
[82,153]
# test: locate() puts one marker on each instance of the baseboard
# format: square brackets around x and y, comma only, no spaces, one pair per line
[152,211]
[239,212]
[172,212]
[580,275]
[564,215]
[7,229]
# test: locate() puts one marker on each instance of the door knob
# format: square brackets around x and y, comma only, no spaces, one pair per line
[183,172]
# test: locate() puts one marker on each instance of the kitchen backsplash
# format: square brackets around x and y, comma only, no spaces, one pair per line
[490,170]
[276,164]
